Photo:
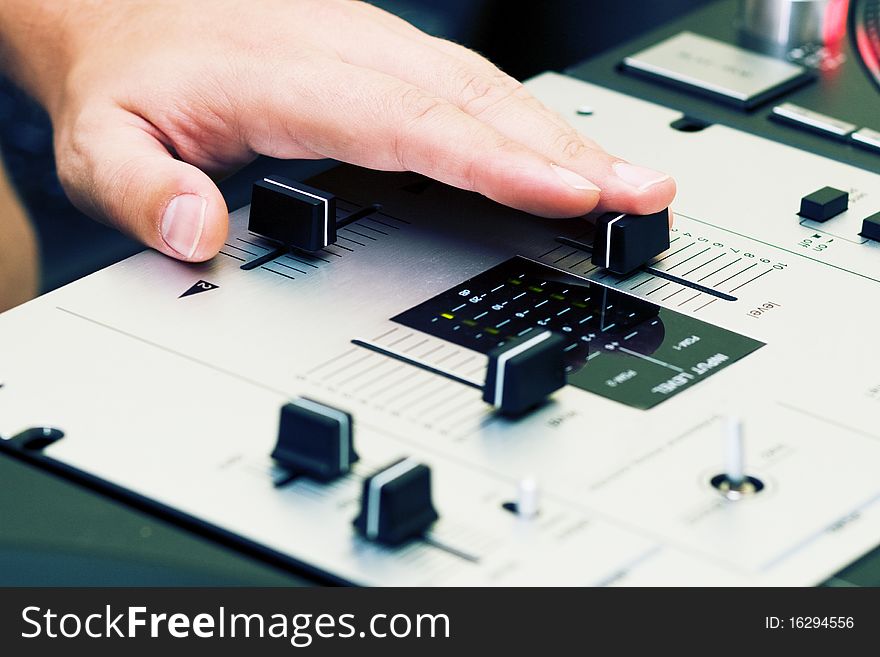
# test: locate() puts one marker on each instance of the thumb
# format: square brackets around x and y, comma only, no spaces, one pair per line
[124,175]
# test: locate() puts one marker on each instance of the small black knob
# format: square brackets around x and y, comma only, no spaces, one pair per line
[823,204]
[624,242]
[315,439]
[871,227]
[293,214]
[523,372]
[396,503]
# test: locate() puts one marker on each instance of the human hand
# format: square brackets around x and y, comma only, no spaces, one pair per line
[150,97]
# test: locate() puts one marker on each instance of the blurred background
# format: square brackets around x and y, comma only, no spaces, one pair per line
[524,41]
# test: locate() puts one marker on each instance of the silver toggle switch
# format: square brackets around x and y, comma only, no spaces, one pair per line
[734,483]
[527,497]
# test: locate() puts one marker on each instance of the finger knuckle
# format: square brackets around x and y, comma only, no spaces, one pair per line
[471,176]
[478,169]
[418,111]
[480,93]
[472,88]
[417,106]
[570,144]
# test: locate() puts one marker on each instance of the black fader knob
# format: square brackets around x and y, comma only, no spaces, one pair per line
[292,214]
[624,242]
[315,439]
[396,503]
[823,204]
[522,373]
[871,227]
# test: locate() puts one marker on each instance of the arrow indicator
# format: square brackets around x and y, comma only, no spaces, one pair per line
[201,286]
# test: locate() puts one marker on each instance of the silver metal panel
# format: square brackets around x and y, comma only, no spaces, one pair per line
[814,120]
[177,399]
[714,66]
[867,137]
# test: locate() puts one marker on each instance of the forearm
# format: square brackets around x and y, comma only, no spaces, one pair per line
[18,250]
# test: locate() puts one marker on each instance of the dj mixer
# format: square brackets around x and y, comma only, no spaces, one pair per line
[411,385]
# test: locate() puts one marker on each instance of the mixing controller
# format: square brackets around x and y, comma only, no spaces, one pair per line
[418,386]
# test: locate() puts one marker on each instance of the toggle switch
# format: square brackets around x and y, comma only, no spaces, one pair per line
[522,373]
[396,503]
[293,214]
[527,498]
[315,440]
[734,452]
[734,483]
[624,242]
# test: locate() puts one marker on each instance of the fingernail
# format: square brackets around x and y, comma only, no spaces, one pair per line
[573,179]
[639,177]
[183,223]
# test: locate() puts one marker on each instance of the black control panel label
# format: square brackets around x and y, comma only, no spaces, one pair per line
[620,347]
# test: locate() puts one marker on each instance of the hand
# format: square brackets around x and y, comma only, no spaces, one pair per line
[149,97]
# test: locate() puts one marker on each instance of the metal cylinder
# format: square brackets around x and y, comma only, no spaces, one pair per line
[784,24]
